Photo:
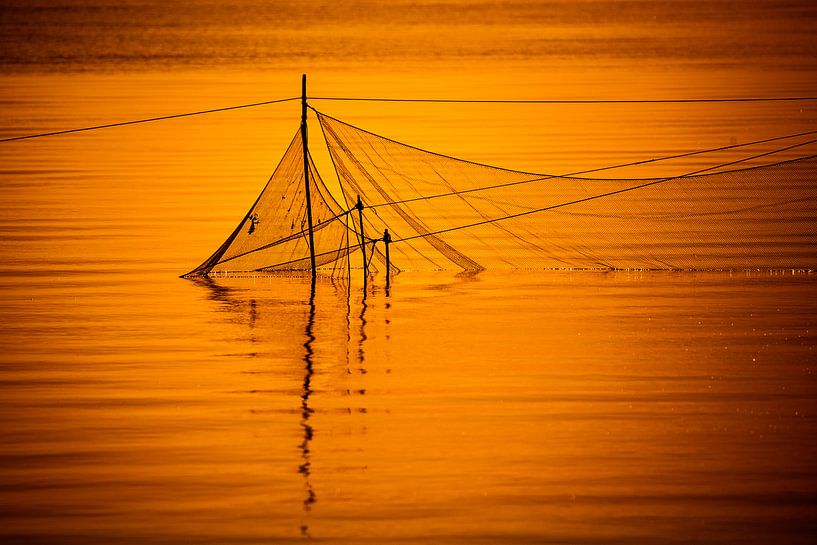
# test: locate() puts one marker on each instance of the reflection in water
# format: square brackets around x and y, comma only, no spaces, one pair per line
[360,352]
[348,319]
[224,295]
[527,407]
[335,330]
[246,311]
[228,298]
[305,468]
[246,304]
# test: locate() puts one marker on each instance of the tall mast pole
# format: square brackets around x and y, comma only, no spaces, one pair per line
[305,142]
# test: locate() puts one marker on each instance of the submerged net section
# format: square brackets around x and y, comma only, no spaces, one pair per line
[273,235]
[445,213]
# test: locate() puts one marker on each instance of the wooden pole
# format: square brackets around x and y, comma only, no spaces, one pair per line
[359,207]
[305,142]
[387,241]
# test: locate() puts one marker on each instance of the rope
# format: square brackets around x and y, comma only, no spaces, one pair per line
[622,165]
[608,194]
[293,236]
[287,238]
[355,246]
[371,257]
[337,251]
[426,100]
[149,120]
[569,101]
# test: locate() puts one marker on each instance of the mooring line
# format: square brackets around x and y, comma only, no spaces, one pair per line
[148,120]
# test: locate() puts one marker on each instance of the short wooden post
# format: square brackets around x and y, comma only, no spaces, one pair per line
[359,207]
[387,241]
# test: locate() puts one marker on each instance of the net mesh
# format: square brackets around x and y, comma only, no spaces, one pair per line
[447,213]
[273,235]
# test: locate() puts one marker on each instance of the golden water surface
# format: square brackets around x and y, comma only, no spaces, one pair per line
[502,407]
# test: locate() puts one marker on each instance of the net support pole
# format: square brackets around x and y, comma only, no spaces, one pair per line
[305,141]
[386,242]
[359,206]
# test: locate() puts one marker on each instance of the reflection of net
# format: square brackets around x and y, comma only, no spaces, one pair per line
[442,214]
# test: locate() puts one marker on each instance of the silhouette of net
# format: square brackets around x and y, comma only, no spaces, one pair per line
[760,217]
[273,235]
[446,213]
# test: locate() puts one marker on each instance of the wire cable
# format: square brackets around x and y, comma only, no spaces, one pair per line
[568,101]
[287,238]
[422,100]
[350,247]
[148,120]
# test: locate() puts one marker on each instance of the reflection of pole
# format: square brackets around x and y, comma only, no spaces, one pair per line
[387,241]
[305,468]
[359,207]
[305,141]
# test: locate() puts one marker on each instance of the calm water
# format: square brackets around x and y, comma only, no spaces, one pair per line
[557,407]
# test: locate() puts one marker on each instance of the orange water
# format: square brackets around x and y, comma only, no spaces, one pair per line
[497,408]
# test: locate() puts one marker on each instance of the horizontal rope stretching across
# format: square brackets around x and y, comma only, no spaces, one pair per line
[425,100]
[293,236]
[148,120]
[568,101]
[349,247]
[302,233]
[608,194]
[590,171]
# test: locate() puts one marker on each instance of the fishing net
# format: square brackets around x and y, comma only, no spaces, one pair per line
[273,235]
[447,213]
